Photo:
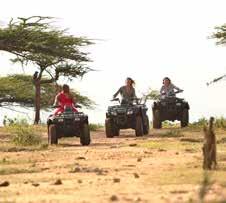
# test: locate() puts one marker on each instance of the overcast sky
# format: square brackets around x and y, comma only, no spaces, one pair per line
[144,39]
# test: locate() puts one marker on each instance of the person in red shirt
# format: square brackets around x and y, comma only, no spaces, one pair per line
[64,98]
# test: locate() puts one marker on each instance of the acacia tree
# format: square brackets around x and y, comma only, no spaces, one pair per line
[18,90]
[51,50]
[220,36]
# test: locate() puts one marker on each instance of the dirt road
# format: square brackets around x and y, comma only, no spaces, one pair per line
[161,167]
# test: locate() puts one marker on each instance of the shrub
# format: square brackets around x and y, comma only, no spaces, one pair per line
[173,133]
[219,123]
[22,133]
[200,123]
[169,124]
[95,127]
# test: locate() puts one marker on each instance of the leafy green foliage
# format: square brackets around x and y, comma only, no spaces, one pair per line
[23,134]
[35,37]
[95,127]
[52,50]
[20,89]
[173,133]
[153,94]
[219,123]
[35,40]
[17,88]
[220,34]
[200,123]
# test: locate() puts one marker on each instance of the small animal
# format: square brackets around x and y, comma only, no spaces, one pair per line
[35,76]
[209,146]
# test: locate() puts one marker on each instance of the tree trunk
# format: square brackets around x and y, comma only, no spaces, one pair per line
[37,100]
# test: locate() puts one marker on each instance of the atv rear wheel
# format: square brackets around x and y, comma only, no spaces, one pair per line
[109,128]
[185,118]
[146,125]
[139,126]
[157,124]
[85,135]
[52,134]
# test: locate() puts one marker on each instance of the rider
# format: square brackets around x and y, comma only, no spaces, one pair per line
[64,98]
[168,88]
[127,92]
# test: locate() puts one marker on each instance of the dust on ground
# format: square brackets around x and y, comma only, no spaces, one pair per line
[165,166]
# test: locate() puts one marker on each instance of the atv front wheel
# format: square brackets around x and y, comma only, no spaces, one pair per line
[185,118]
[139,126]
[85,135]
[116,131]
[157,124]
[109,129]
[146,125]
[52,134]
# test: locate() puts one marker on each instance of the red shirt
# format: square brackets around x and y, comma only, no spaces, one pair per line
[64,100]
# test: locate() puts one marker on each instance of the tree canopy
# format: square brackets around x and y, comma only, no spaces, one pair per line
[152,94]
[220,34]
[51,50]
[19,89]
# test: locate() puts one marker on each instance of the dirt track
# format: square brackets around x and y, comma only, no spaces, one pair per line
[123,169]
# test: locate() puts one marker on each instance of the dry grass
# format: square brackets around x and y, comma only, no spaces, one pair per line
[169,169]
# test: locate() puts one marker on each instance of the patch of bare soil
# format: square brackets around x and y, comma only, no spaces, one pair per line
[121,169]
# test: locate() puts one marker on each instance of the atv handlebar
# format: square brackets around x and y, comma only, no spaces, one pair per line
[179,91]
[76,106]
[135,99]
[115,99]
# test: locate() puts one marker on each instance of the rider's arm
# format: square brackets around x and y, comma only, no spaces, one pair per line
[116,94]
[162,90]
[56,101]
[177,88]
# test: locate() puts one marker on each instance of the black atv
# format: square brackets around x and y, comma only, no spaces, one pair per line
[68,124]
[170,108]
[131,114]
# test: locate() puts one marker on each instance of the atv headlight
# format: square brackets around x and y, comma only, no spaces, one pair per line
[178,104]
[60,120]
[77,119]
[129,112]
[114,113]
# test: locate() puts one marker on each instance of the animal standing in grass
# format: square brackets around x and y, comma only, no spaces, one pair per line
[209,147]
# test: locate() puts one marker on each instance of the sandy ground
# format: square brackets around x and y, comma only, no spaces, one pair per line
[154,168]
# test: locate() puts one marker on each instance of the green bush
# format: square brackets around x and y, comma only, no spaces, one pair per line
[219,123]
[95,127]
[169,124]
[200,123]
[173,133]
[22,133]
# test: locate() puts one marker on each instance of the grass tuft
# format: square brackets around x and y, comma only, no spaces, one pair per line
[23,134]
[173,133]
[10,171]
[95,127]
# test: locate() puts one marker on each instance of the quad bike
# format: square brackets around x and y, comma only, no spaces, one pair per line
[130,114]
[170,108]
[68,124]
